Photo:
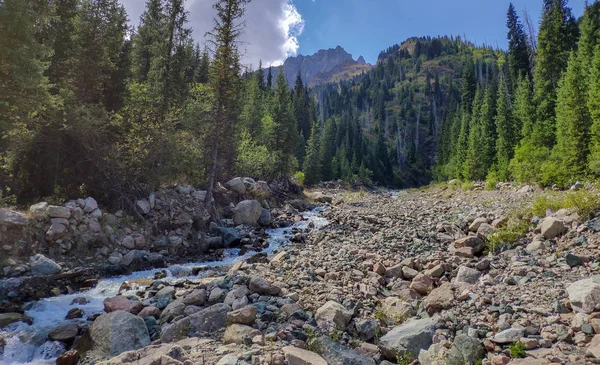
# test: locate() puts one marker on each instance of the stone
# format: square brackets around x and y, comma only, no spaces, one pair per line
[203,322]
[231,237]
[577,186]
[245,315]
[236,185]
[297,356]
[336,354]
[467,275]
[70,357]
[422,284]
[38,211]
[485,230]
[465,350]
[65,333]
[217,295]
[55,211]
[439,299]
[121,303]
[90,204]
[40,265]
[196,297]
[128,242]
[261,286]
[474,242]
[408,338]
[334,313]
[150,311]
[379,268]
[394,271]
[573,260]
[409,273]
[593,348]
[395,310]
[435,355]
[143,206]
[366,328]
[74,313]
[56,231]
[265,217]
[240,334]
[552,227]
[247,212]
[8,318]
[117,332]
[477,223]
[584,295]
[173,310]
[164,297]
[115,258]
[509,335]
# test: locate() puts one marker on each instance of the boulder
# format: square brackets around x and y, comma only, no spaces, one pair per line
[164,297]
[297,356]
[336,354]
[473,242]
[38,211]
[236,185]
[261,286]
[465,351]
[593,348]
[422,284]
[265,218]
[245,315]
[509,335]
[8,318]
[247,212]
[467,275]
[395,310]
[143,206]
[476,223]
[196,297]
[121,303]
[55,211]
[41,265]
[584,295]
[150,311]
[65,333]
[408,338]
[90,204]
[128,242]
[439,298]
[117,332]
[174,309]
[56,231]
[552,227]
[231,237]
[366,329]
[203,322]
[334,313]
[240,334]
[68,358]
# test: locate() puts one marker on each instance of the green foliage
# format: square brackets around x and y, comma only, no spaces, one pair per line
[583,202]
[404,359]
[299,177]
[468,186]
[254,159]
[517,350]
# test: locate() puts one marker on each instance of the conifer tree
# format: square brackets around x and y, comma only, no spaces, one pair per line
[284,124]
[506,141]
[568,160]
[312,162]
[594,111]
[518,51]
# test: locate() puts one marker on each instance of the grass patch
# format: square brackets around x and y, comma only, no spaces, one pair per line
[404,359]
[585,203]
[517,351]
[468,186]
[516,227]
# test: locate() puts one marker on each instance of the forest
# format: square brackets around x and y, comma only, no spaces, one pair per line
[90,105]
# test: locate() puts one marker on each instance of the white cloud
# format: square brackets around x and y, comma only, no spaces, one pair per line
[271,32]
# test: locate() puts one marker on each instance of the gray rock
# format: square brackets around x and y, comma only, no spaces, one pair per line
[297,356]
[334,313]
[196,297]
[164,297]
[410,337]
[56,231]
[117,332]
[467,275]
[90,204]
[584,295]
[236,185]
[231,236]
[41,265]
[552,227]
[55,211]
[38,211]
[198,324]
[336,354]
[577,186]
[265,217]
[247,212]
[245,315]
[509,335]
[366,328]
[128,242]
[476,223]
[143,206]
[174,309]
[8,318]
[465,351]
[66,332]
[261,286]
[240,334]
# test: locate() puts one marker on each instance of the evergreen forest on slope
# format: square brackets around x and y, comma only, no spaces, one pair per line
[89,104]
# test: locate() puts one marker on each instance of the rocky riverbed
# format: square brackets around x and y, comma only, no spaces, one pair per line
[404,277]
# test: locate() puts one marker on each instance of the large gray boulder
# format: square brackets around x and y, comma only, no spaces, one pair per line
[584,295]
[41,265]
[552,227]
[117,332]
[465,350]
[410,337]
[247,212]
[205,321]
[334,313]
[38,211]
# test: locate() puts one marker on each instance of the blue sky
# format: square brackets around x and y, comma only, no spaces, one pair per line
[365,27]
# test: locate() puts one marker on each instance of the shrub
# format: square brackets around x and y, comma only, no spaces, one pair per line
[517,351]
[583,202]
[299,177]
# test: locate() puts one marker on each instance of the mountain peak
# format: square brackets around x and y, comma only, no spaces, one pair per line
[361,61]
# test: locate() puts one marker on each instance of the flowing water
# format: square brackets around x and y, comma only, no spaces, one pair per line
[25,344]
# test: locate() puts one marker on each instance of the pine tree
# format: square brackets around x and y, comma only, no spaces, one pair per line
[590,37]
[225,80]
[506,141]
[261,76]
[284,124]
[270,79]
[476,161]
[312,162]
[253,109]
[556,39]
[62,41]
[594,111]
[568,160]
[524,110]
[146,38]
[518,51]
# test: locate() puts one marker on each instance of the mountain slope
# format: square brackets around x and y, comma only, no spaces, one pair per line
[331,65]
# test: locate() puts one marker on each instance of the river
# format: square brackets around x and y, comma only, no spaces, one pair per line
[29,344]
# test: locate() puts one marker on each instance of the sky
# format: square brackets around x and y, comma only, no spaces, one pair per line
[277,29]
